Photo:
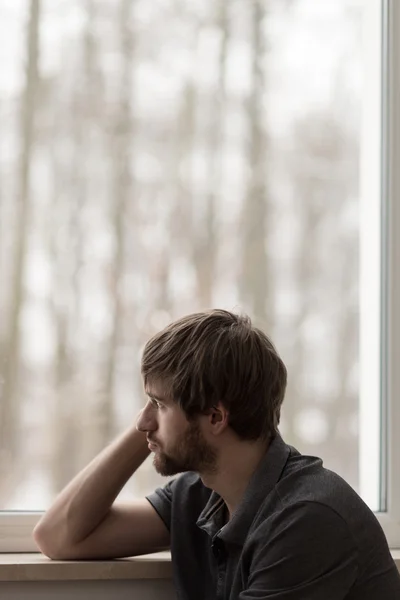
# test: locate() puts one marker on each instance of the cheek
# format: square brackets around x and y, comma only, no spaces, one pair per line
[166,426]
[168,429]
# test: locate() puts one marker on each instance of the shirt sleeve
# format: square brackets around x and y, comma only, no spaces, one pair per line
[161,500]
[307,552]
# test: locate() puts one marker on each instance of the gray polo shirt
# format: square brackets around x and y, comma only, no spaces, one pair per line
[299,533]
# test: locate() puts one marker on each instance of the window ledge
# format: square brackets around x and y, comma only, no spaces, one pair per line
[36,567]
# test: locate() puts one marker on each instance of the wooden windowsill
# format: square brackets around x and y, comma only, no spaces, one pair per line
[36,567]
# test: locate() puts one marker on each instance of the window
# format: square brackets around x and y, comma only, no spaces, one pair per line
[159,158]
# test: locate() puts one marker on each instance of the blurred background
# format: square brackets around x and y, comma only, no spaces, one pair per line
[157,158]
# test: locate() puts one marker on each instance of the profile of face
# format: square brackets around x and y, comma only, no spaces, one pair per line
[178,444]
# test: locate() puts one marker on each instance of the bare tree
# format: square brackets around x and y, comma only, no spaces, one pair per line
[66,242]
[205,237]
[121,194]
[324,175]
[10,401]
[255,281]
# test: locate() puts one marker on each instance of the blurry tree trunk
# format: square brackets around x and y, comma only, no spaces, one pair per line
[322,195]
[122,190]
[306,278]
[10,400]
[256,286]
[205,243]
[64,446]
[183,214]
[344,410]
[4,221]
[163,300]
[311,214]
[70,408]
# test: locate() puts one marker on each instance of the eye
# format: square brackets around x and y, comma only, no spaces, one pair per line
[155,403]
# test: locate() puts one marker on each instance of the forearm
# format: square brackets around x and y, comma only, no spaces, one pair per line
[86,500]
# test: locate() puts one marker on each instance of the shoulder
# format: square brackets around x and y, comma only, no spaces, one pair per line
[305,546]
[305,479]
[304,517]
[304,530]
[310,505]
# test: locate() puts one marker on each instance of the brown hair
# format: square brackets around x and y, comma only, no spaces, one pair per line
[214,356]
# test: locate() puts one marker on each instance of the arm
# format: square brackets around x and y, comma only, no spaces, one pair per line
[306,553]
[84,522]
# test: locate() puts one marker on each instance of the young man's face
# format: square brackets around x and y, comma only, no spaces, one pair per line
[179,445]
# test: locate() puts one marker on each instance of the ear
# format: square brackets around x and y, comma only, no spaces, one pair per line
[218,418]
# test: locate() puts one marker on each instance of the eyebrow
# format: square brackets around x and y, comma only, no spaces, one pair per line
[155,397]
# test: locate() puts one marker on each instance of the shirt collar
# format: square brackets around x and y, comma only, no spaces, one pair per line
[261,483]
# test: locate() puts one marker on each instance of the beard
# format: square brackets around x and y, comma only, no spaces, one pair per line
[190,452]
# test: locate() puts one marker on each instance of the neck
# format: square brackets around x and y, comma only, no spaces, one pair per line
[237,462]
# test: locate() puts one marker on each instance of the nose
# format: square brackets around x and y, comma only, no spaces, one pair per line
[146,421]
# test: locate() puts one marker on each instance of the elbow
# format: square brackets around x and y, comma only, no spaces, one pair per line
[41,539]
[48,542]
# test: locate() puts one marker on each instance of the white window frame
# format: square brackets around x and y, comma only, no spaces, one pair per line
[383,178]
[390,336]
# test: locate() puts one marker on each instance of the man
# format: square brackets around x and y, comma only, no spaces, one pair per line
[250,517]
